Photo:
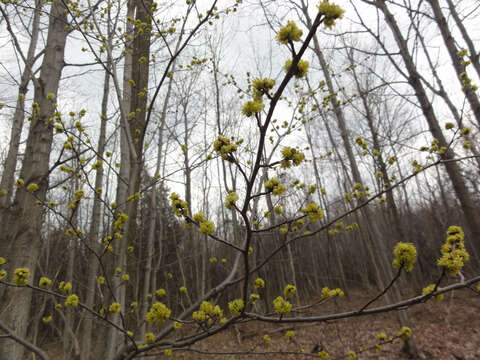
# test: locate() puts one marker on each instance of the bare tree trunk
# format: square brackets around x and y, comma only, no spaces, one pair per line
[26,217]
[473,53]
[147,283]
[17,124]
[457,61]
[93,234]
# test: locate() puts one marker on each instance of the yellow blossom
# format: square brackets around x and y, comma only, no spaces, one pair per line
[405,333]
[159,312]
[281,305]
[251,108]
[32,187]
[331,12]
[289,33]
[236,306]
[289,291]
[301,69]
[323,355]
[115,308]
[72,300]
[405,256]
[259,283]
[44,282]
[429,289]
[149,337]
[177,325]
[20,276]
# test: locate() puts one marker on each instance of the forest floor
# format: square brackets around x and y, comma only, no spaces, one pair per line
[443,330]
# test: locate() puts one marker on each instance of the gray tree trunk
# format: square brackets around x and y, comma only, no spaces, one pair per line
[25,217]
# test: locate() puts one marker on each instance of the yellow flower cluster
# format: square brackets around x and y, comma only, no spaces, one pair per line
[326,292]
[44,282]
[208,312]
[32,187]
[72,300]
[313,211]
[205,226]
[149,337]
[160,292]
[291,156]
[177,325]
[289,291]
[20,276]
[236,306]
[252,107]
[158,312]
[230,199]
[79,194]
[274,186]
[382,336]
[65,286]
[120,222]
[352,355]
[259,283]
[180,207]
[301,69]
[428,289]
[288,33]
[281,306]
[225,148]
[453,251]
[254,298]
[262,87]
[3,272]
[405,256]
[405,333]
[115,308]
[323,355]
[331,12]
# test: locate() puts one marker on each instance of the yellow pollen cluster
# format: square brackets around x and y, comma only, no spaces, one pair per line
[453,251]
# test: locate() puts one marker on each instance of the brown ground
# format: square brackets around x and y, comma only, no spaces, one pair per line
[445,330]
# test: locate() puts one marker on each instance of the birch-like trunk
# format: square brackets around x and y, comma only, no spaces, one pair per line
[25,217]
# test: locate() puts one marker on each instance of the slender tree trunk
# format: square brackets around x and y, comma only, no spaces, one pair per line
[147,283]
[93,234]
[8,175]
[26,217]
[457,61]
[473,53]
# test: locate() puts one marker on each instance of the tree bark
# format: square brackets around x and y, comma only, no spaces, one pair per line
[25,218]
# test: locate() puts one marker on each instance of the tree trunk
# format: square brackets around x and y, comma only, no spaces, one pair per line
[26,217]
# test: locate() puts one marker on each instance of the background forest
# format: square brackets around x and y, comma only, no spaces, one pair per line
[173,169]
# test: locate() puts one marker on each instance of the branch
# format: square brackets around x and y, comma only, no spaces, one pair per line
[39,352]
